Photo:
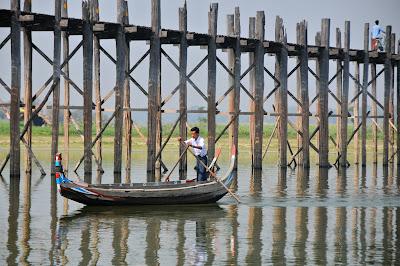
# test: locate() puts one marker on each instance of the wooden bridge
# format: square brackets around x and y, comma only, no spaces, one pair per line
[255,46]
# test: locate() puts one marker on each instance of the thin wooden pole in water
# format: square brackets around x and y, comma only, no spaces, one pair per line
[305,118]
[65,41]
[87,90]
[183,89]
[374,113]
[96,83]
[252,81]
[364,97]
[387,86]
[345,97]
[356,112]
[234,58]
[28,87]
[212,77]
[15,89]
[119,91]
[154,115]
[323,62]
[398,105]
[56,78]
[339,86]
[259,90]
[282,95]
[127,105]
[391,105]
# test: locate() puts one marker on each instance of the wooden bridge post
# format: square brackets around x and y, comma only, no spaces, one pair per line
[356,112]
[345,97]
[281,63]
[304,158]
[259,91]
[28,87]
[127,104]
[87,90]
[65,41]
[339,86]
[212,77]
[391,105]
[56,80]
[323,62]
[234,57]
[96,84]
[252,81]
[183,88]
[119,91]
[15,89]
[154,97]
[374,113]
[387,86]
[364,97]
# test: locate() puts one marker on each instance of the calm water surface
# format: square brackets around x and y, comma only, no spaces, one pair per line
[286,217]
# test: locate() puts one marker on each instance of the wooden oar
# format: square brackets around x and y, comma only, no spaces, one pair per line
[215,177]
[173,168]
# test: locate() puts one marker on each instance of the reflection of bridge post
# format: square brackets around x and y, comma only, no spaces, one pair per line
[180,247]
[354,232]
[254,236]
[340,239]
[363,233]
[303,181]
[84,248]
[320,225]
[387,236]
[94,243]
[281,185]
[372,228]
[13,220]
[119,243]
[341,181]
[256,182]
[232,253]
[278,235]
[53,219]
[322,181]
[301,221]
[153,241]
[26,220]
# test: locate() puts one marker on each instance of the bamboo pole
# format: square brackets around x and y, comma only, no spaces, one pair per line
[345,98]
[364,97]
[183,89]
[119,91]
[154,114]
[65,41]
[323,62]
[259,90]
[87,90]
[387,86]
[15,89]
[28,87]
[56,78]
[212,77]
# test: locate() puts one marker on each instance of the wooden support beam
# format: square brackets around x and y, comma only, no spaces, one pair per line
[387,87]
[27,35]
[97,84]
[56,78]
[356,112]
[252,80]
[212,77]
[259,90]
[374,114]
[282,58]
[119,91]
[345,97]
[183,89]
[154,98]
[339,85]
[323,62]
[398,104]
[391,102]
[364,97]
[87,90]
[305,119]
[234,58]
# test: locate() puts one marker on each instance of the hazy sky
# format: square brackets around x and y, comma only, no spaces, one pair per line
[357,11]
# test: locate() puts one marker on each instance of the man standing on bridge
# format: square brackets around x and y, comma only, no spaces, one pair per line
[199,149]
[377,37]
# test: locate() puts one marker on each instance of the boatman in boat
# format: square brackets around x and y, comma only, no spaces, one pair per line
[199,149]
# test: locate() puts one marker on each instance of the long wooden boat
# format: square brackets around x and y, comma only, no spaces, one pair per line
[151,193]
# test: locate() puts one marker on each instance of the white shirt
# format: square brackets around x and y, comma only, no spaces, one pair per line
[377,31]
[198,142]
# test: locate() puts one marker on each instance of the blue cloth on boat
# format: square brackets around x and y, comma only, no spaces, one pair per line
[201,170]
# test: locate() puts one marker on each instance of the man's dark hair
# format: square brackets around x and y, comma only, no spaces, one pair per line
[195,129]
[377,22]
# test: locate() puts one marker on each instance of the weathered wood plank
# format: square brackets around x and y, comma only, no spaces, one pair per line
[356,112]
[364,97]
[374,114]
[252,81]
[339,86]
[387,86]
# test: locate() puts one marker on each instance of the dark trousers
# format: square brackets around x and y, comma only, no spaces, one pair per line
[201,170]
